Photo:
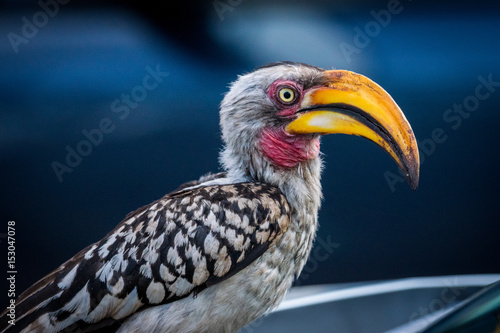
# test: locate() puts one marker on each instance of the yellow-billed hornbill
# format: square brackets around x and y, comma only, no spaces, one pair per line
[219,252]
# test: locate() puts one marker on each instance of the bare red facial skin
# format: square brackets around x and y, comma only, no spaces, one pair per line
[287,150]
[282,148]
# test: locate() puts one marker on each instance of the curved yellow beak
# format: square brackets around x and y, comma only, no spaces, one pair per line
[351,103]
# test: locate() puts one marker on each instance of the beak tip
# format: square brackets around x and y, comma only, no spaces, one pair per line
[410,165]
[412,178]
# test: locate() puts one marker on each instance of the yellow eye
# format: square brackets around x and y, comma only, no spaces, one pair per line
[286,95]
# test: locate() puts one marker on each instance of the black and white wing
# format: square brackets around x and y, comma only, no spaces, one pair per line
[171,249]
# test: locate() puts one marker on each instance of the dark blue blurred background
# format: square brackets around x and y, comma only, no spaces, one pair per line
[62,77]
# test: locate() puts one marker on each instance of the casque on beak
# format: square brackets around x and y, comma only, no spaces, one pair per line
[350,103]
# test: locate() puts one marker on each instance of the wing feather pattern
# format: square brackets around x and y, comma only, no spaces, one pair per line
[170,249]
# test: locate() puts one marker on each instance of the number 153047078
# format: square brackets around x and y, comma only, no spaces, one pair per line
[11,245]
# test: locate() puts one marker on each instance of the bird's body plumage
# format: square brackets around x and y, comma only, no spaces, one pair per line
[219,252]
[179,253]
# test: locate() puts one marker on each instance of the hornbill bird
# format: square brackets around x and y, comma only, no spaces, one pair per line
[219,252]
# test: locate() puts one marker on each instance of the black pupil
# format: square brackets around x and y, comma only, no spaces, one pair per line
[287,95]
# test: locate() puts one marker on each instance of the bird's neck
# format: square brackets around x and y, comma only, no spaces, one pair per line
[300,184]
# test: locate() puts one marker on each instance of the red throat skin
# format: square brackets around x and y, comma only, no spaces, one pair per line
[287,150]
